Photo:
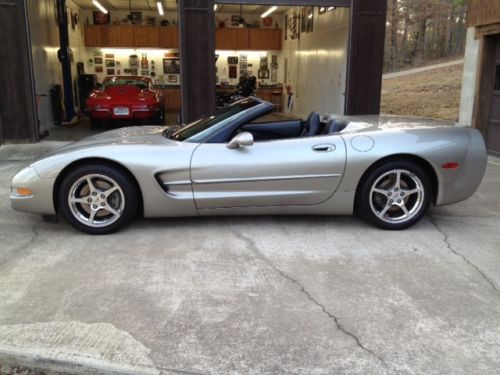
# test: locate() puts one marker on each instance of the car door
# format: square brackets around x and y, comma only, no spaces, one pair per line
[300,171]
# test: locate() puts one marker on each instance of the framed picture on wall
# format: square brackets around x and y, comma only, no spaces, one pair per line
[233,72]
[110,63]
[100,18]
[173,78]
[263,74]
[232,60]
[171,65]
[235,20]
[99,69]
[110,72]
[98,60]
[135,18]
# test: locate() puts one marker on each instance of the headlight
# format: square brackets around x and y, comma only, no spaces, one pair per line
[21,192]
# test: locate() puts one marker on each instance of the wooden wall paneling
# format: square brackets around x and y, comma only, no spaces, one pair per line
[366,55]
[486,71]
[197,31]
[141,37]
[91,36]
[172,99]
[168,37]
[257,40]
[127,35]
[115,36]
[482,12]
[103,35]
[153,36]
[17,104]
[242,39]
[225,38]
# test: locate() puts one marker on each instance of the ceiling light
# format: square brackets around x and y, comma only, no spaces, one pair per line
[160,7]
[99,6]
[269,11]
[331,8]
[310,16]
[215,7]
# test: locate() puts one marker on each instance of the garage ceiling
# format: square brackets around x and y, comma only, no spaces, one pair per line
[124,4]
[172,5]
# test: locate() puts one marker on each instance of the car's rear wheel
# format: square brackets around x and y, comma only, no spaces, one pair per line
[98,199]
[395,195]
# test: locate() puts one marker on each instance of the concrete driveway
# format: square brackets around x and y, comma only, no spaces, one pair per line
[254,295]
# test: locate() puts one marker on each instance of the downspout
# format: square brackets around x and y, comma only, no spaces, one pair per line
[64,57]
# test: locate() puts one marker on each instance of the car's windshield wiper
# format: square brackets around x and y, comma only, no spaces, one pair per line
[169,131]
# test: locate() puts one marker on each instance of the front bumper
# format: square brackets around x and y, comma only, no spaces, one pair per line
[139,114]
[41,200]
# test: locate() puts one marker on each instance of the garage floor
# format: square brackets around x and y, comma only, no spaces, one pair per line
[83,129]
[255,295]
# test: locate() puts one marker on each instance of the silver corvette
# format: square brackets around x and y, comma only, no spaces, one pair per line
[248,160]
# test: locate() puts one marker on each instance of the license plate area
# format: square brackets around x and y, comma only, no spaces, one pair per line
[121,111]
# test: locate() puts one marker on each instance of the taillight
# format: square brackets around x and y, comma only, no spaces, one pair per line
[450,165]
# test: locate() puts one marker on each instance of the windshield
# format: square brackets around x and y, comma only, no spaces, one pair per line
[128,81]
[201,128]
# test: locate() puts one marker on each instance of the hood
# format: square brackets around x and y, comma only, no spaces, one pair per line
[137,135]
[387,122]
[125,94]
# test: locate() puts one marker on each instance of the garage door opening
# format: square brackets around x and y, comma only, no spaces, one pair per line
[131,44]
[294,57]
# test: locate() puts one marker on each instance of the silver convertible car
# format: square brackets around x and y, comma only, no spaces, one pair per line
[248,160]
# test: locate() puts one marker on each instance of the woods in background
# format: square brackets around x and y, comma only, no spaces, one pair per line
[419,31]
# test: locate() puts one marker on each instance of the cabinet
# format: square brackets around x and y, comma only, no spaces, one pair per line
[146,36]
[130,36]
[225,38]
[248,39]
[120,36]
[242,39]
[264,39]
[272,95]
[96,36]
[168,37]
[172,99]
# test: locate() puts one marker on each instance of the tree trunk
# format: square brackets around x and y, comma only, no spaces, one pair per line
[394,34]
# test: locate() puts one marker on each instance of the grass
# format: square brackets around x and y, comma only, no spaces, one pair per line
[434,94]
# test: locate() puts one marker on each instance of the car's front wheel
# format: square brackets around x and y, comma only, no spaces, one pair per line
[98,199]
[395,195]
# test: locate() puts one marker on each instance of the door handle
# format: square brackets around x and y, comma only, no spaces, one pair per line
[324,147]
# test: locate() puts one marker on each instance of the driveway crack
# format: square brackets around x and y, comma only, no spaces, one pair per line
[253,247]
[446,239]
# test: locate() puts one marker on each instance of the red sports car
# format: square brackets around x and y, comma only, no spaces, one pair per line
[125,97]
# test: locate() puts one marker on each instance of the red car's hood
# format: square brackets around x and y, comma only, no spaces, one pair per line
[125,94]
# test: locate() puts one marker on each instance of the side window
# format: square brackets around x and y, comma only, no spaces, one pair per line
[271,131]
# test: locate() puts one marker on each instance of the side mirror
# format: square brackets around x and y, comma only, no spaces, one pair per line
[242,139]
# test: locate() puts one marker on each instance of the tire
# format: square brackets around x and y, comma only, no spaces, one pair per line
[159,119]
[390,204]
[106,206]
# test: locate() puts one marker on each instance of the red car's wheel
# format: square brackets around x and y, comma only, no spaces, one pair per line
[95,122]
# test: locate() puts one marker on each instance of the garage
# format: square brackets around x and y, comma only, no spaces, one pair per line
[303,58]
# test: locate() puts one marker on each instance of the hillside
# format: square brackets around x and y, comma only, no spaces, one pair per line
[435,94]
